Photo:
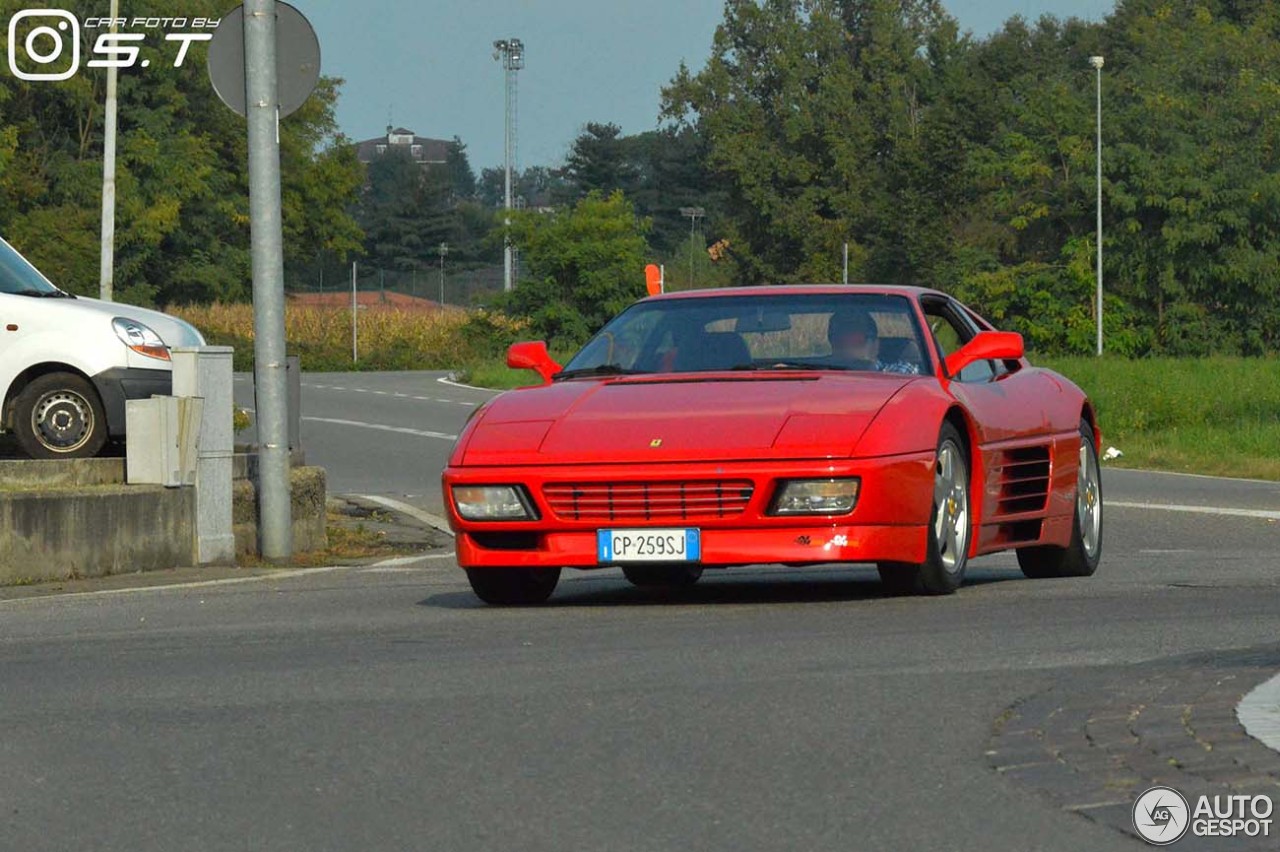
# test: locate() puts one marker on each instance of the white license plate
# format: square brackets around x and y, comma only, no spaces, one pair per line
[649,545]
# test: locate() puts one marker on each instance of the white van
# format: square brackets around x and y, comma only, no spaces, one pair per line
[67,363]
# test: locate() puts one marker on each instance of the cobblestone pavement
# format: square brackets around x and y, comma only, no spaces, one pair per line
[1119,731]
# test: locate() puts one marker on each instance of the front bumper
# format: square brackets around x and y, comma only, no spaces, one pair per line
[888,524]
[119,384]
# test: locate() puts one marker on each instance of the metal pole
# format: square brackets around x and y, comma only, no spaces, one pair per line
[692,220]
[270,369]
[507,264]
[444,250]
[846,263]
[355,352]
[106,271]
[1097,62]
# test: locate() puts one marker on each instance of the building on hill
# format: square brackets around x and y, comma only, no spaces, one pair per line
[423,151]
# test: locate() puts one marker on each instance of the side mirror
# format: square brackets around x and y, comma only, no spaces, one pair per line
[985,346]
[533,355]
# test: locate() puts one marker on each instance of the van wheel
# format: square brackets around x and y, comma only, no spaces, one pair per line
[59,416]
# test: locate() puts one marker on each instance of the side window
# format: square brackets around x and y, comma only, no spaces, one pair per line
[950,332]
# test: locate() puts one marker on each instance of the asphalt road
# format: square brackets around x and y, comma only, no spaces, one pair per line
[384,708]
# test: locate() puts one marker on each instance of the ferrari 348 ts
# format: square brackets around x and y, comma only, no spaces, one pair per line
[800,425]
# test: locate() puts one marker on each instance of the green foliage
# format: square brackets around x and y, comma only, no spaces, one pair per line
[182,195]
[584,264]
[968,165]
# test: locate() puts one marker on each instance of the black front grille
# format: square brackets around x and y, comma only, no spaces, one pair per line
[686,500]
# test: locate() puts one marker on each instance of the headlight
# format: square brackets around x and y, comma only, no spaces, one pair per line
[140,338]
[816,497]
[492,503]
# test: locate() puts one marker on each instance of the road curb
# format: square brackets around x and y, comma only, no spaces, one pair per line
[446,380]
[1259,713]
[436,522]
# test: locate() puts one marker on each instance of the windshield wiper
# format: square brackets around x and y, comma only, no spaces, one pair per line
[43,294]
[599,370]
[784,364]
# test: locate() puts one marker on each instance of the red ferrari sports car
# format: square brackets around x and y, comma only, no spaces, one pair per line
[799,425]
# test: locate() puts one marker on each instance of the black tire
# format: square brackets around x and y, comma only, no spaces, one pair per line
[513,586]
[59,416]
[946,557]
[662,576]
[1076,559]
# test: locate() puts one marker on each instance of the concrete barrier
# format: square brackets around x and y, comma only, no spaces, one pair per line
[38,475]
[309,521]
[64,519]
[89,532]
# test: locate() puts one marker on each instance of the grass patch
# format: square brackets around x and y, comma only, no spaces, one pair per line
[1218,416]
[494,373]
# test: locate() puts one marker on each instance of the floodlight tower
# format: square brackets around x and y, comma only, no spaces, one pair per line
[510,51]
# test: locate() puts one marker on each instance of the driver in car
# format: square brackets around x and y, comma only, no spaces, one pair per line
[855,342]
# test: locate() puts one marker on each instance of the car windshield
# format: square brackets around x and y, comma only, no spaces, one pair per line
[19,276]
[812,331]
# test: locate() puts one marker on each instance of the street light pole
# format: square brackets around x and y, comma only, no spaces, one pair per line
[444,250]
[694,214]
[511,53]
[106,272]
[1097,62]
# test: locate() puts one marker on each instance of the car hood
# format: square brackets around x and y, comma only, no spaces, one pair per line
[173,331]
[685,418]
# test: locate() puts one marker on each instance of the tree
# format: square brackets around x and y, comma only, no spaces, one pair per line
[462,180]
[585,264]
[819,115]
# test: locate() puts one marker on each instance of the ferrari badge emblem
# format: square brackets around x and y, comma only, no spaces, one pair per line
[655,443]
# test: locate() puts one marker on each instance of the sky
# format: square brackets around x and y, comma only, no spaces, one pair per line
[428,65]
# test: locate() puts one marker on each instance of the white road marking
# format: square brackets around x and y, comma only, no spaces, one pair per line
[422,515]
[393,394]
[1199,510]
[1259,713]
[401,430]
[1199,476]
[197,584]
[1165,552]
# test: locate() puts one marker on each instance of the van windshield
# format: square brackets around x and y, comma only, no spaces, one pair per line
[20,277]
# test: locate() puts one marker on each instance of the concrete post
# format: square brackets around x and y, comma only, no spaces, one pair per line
[206,372]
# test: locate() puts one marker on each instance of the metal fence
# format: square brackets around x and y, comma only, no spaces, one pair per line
[461,286]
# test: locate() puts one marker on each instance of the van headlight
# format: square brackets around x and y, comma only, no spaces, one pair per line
[816,497]
[492,503]
[140,338]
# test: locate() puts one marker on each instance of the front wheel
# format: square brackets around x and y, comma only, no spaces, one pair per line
[513,586]
[662,576]
[947,552]
[1081,556]
[59,416]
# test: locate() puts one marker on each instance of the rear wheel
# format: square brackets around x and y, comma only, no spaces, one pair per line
[947,553]
[1079,558]
[663,576]
[513,586]
[59,416]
